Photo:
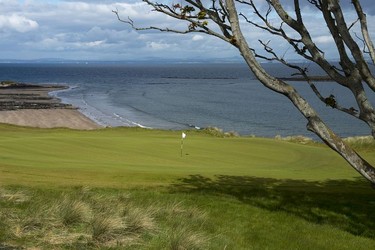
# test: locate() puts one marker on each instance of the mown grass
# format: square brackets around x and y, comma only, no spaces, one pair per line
[126,157]
[130,189]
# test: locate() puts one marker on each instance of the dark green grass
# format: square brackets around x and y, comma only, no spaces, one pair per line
[199,216]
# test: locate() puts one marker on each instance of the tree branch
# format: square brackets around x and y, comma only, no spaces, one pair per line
[362,66]
[273,30]
[363,21]
[329,101]
[196,25]
[306,39]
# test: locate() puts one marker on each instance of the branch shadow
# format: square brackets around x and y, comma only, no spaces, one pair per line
[344,204]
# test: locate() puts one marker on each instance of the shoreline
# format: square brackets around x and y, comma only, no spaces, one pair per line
[311,78]
[33,106]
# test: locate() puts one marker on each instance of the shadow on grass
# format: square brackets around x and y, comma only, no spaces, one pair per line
[348,205]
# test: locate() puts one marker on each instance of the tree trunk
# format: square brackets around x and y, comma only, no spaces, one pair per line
[315,124]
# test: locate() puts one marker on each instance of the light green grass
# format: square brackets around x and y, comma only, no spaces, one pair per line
[126,157]
[129,188]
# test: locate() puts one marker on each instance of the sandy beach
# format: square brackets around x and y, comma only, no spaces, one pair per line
[31,105]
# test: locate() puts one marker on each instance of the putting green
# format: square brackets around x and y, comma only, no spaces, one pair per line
[126,157]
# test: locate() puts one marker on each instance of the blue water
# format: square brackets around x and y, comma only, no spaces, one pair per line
[183,95]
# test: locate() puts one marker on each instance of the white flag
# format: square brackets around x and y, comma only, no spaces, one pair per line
[183,135]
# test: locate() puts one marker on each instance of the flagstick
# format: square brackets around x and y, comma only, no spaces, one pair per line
[182,145]
[182,141]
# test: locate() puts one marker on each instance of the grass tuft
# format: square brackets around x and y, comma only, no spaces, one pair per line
[138,220]
[181,238]
[106,227]
[73,211]
[13,196]
[300,139]
[218,132]
[361,142]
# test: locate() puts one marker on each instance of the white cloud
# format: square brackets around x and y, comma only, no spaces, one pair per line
[158,45]
[17,23]
[94,43]
[197,38]
[324,39]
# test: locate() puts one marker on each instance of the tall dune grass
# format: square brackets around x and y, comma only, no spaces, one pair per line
[92,220]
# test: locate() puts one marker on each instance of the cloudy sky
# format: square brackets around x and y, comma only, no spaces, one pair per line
[88,30]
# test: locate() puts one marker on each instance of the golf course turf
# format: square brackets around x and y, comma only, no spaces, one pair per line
[221,193]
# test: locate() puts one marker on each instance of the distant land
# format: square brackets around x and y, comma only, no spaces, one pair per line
[149,60]
[312,78]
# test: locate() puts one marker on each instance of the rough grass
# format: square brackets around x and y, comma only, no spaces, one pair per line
[72,211]
[92,221]
[196,214]
[364,143]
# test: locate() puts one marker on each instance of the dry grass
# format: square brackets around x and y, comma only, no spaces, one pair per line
[185,230]
[360,139]
[361,142]
[218,132]
[138,219]
[106,227]
[13,196]
[182,238]
[83,218]
[66,238]
[72,211]
[296,139]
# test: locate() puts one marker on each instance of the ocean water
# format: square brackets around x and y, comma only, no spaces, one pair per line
[184,96]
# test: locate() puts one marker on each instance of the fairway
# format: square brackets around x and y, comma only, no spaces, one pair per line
[126,157]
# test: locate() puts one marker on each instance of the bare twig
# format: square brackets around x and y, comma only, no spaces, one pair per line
[329,101]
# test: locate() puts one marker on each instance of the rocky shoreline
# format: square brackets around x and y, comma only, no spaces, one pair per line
[15,96]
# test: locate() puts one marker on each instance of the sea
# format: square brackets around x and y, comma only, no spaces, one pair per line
[182,96]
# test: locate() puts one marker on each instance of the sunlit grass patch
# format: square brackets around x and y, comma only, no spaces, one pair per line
[12,196]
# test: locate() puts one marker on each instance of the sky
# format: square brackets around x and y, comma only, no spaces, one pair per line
[89,30]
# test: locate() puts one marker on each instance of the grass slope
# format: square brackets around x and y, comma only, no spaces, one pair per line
[129,188]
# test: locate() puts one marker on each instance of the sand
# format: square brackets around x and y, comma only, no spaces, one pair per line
[48,118]
[30,105]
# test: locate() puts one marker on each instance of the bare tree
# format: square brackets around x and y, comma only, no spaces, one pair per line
[220,18]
